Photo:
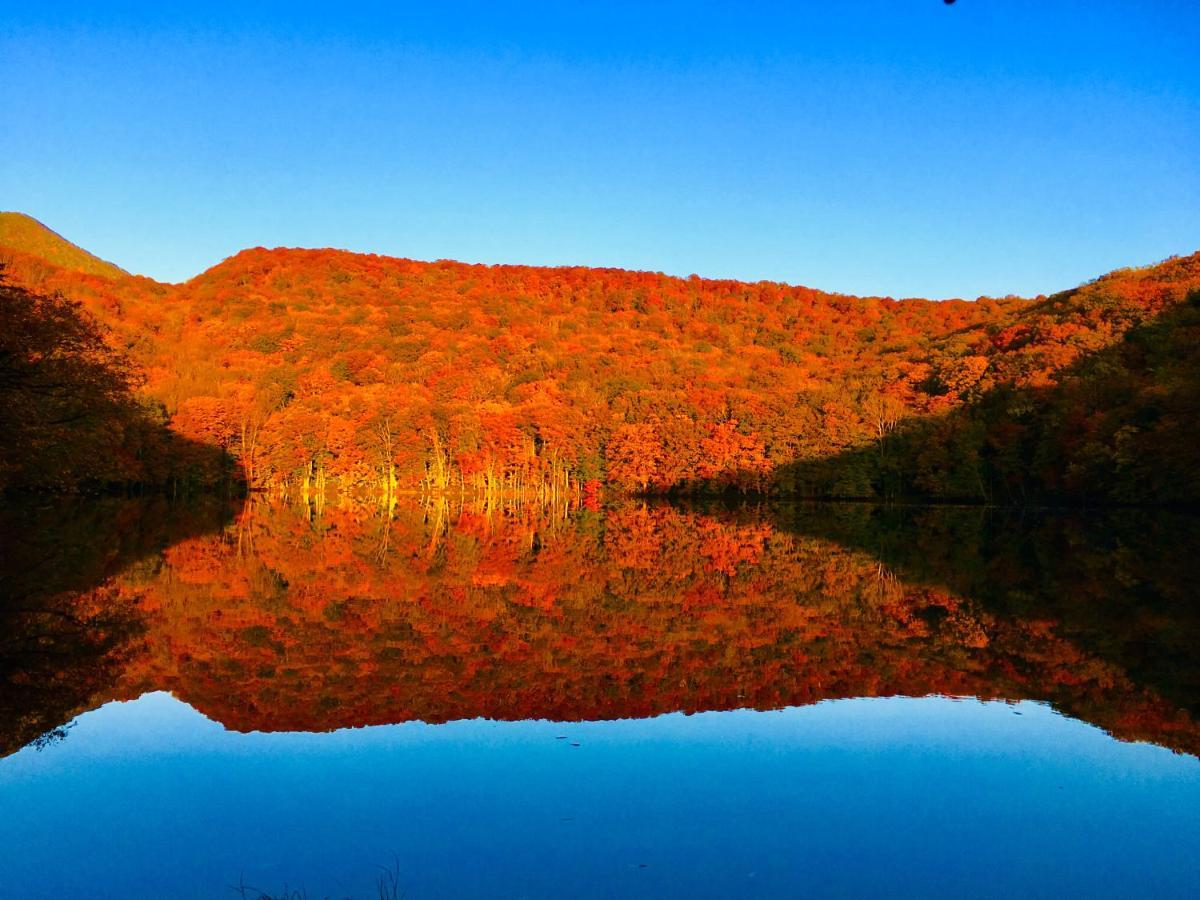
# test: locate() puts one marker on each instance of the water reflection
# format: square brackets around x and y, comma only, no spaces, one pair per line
[72,617]
[270,619]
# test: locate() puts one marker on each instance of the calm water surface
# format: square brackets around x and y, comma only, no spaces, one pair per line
[639,701]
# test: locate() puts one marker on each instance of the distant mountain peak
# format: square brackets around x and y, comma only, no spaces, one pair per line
[26,234]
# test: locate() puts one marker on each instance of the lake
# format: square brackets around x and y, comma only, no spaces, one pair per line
[247,699]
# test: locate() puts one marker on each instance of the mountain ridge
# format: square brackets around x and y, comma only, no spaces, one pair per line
[15,227]
[11,239]
[20,231]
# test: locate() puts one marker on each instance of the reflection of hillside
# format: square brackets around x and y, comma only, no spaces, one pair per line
[1118,585]
[70,617]
[280,624]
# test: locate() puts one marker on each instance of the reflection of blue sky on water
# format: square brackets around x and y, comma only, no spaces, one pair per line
[854,798]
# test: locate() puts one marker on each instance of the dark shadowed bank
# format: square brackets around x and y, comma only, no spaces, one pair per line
[70,416]
[1120,426]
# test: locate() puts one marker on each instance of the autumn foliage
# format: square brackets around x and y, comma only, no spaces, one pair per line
[325,374]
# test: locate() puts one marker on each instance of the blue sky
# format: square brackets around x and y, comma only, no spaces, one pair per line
[899,147]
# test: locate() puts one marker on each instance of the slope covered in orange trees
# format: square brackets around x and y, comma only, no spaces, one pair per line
[326,372]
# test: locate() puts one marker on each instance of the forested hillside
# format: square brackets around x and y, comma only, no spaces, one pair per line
[325,372]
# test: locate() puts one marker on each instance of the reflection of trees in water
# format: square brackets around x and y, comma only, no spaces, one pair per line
[283,622]
[1118,584]
[646,609]
[57,656]
[73,613]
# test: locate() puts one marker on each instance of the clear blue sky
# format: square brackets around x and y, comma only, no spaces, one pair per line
[895,146]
